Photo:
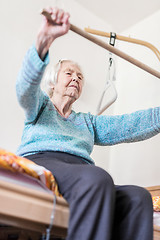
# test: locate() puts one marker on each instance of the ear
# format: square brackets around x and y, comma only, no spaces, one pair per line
[52,85]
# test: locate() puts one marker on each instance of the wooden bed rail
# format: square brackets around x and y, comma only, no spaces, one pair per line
[108,47]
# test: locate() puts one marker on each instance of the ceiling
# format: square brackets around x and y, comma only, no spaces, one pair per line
[121,14]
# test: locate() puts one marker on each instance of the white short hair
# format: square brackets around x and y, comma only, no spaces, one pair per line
[51,74]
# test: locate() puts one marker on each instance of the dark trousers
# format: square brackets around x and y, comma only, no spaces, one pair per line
[99,210]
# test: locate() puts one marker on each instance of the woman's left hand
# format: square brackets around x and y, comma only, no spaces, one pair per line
[49,31]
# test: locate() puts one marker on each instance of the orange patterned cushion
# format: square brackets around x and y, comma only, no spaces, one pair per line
[14,163]
[156,203]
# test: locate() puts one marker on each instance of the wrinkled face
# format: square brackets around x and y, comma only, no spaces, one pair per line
[69,80]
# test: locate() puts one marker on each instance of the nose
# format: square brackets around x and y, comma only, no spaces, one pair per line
[75,78]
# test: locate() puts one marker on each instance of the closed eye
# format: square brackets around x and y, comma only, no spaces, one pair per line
[68,73]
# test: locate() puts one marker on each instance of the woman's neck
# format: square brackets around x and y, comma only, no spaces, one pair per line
[63,104]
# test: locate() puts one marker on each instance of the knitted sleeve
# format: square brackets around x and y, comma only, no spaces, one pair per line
[29,94]
[137,126]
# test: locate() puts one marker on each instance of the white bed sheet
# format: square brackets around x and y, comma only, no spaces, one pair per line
[156,218]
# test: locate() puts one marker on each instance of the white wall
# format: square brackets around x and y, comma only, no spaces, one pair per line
[138,163]
[19,22]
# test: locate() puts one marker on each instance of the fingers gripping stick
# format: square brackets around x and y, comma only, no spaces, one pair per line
[48,16]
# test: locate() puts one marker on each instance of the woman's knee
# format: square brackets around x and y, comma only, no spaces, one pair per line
[141,194]
[96,176]
[138,196]
[143,198]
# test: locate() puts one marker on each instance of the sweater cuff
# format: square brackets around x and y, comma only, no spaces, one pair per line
[38,62]
[156,118]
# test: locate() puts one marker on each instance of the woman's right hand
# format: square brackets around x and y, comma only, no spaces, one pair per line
[48,31]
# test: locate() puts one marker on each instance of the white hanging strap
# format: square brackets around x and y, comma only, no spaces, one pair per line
[109,85]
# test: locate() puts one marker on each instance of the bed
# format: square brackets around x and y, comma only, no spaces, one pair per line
[26,205]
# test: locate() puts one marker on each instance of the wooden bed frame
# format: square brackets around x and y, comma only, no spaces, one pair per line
[26,206]
[25,203]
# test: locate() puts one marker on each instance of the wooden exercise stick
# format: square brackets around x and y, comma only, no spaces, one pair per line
[108,47]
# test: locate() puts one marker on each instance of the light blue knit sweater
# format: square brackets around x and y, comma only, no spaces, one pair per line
[80,131]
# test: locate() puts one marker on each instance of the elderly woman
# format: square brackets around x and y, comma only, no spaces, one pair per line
[62,140]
